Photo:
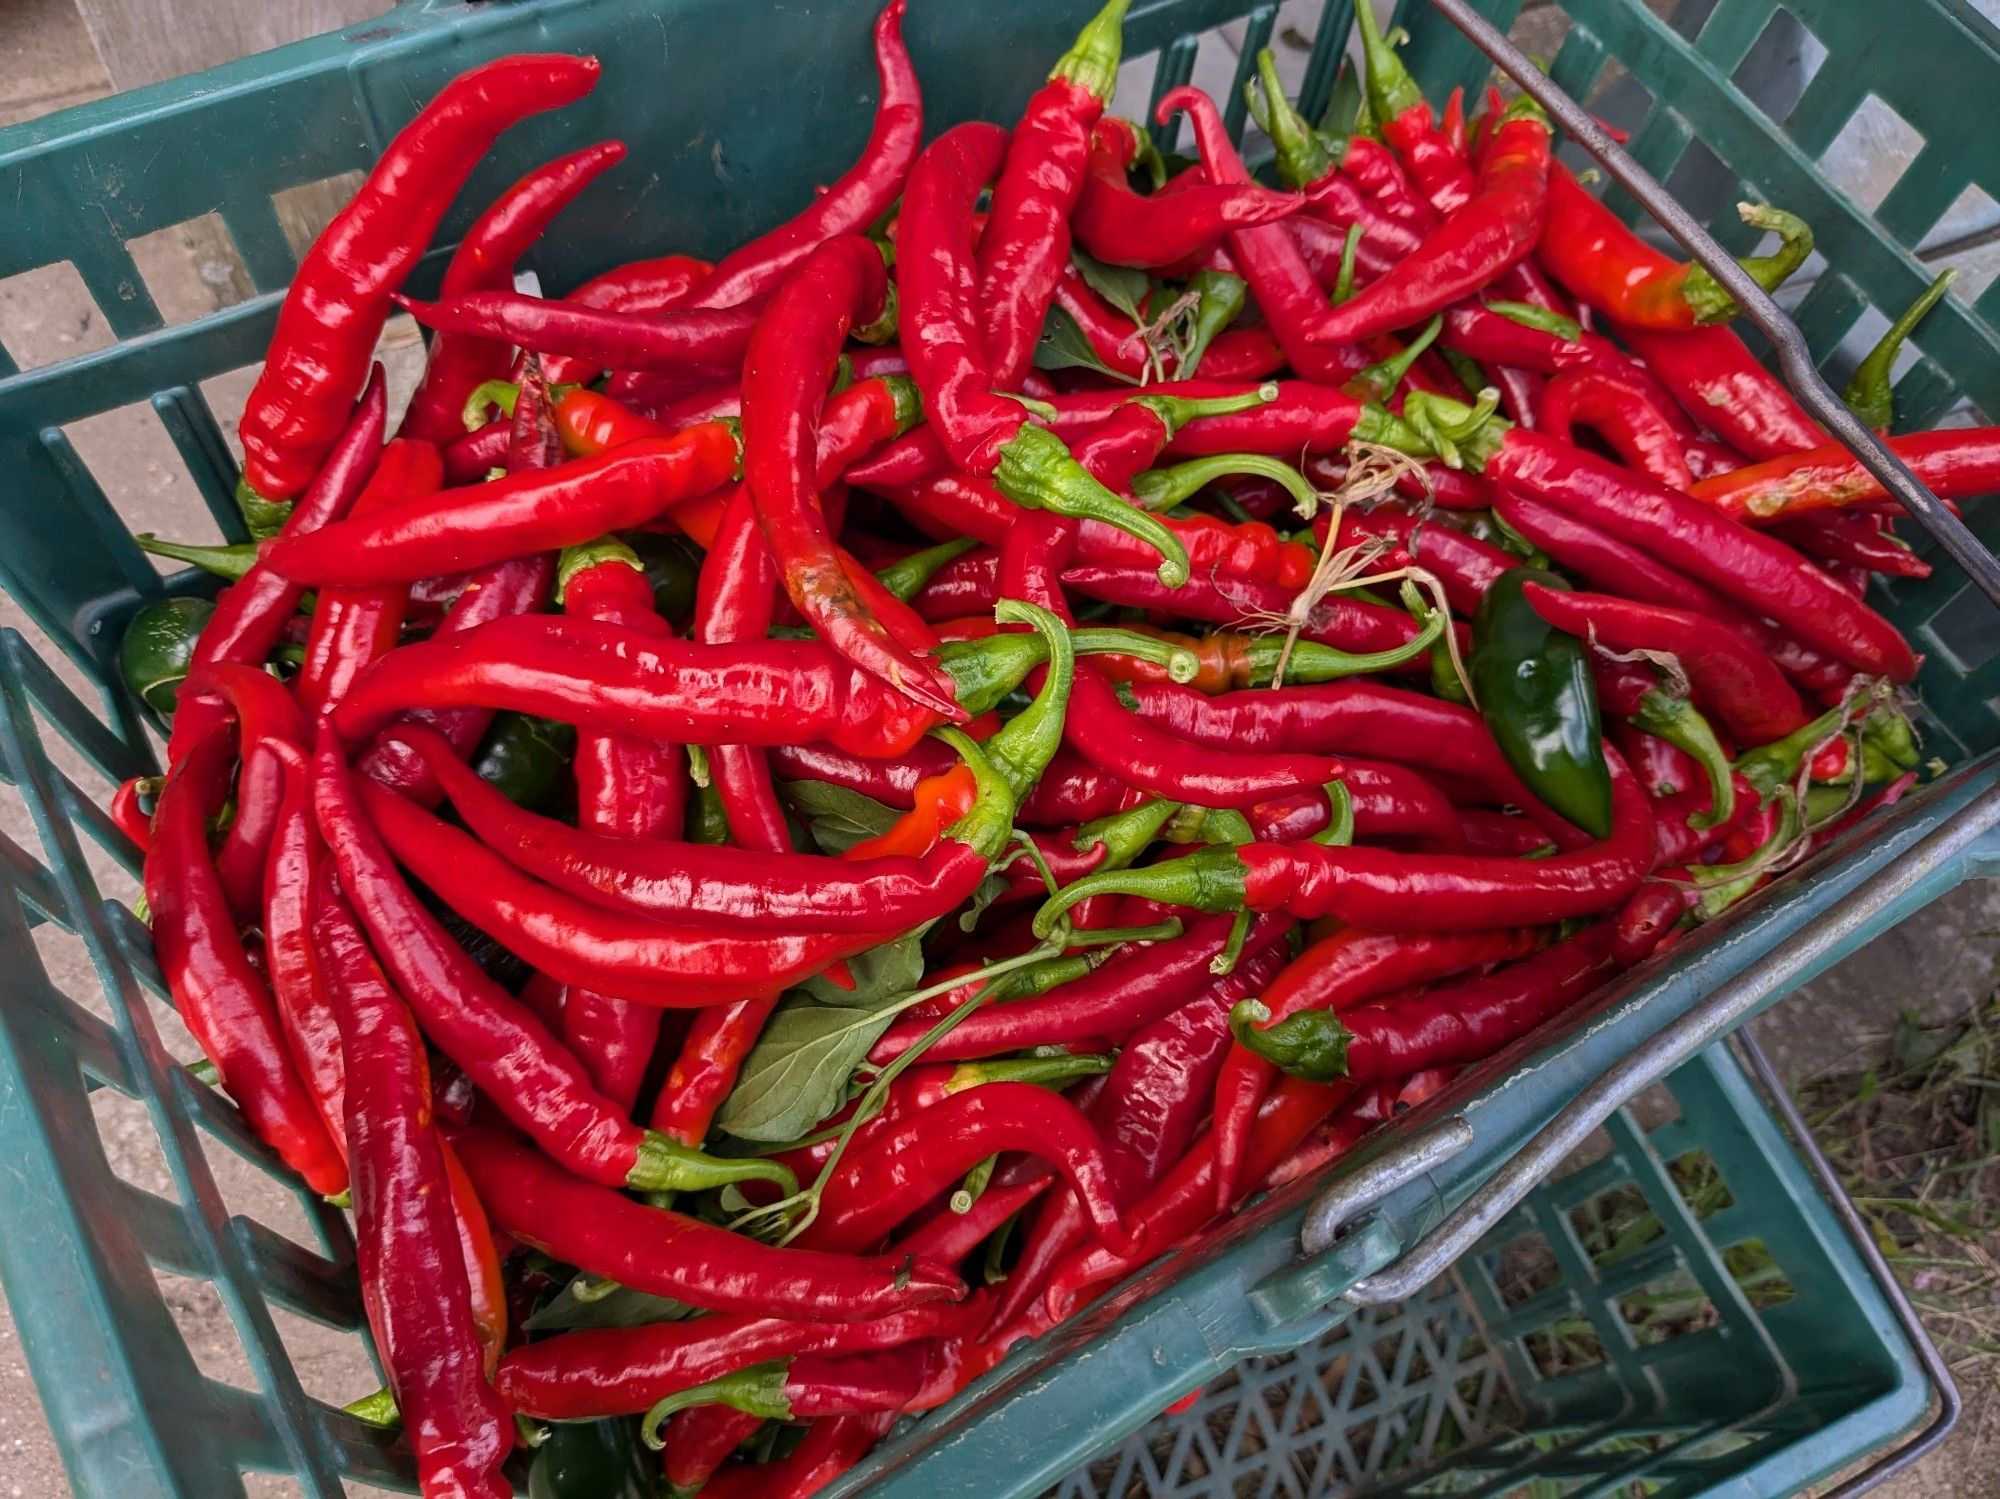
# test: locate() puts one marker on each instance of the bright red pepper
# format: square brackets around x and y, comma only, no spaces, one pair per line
[340,298]
[1853,540]
[1721,384]
[1620,408]
[484,261]
[1952,465]
[1122,227]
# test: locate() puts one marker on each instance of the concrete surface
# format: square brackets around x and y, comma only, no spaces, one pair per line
[1937,963]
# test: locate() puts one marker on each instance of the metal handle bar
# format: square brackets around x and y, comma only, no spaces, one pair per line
[1794,358]
[1707,1021]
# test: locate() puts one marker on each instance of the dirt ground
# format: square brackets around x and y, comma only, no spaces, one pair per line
[1940,965]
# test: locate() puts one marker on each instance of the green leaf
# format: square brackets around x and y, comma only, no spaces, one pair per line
[1062,346]
[837,817]
[798,1072]
[1123,286]
[620,1307]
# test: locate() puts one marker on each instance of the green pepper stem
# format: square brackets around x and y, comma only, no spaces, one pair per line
[501,393]
[1391,89]
[1569,330]
[990,821]
[1125,835]
[1211,880]
[264,518]
[1303,156]
[230,562]
[1339,829]
[1165,488]
[1092,63]
[906,577]
[881,329]
[1037,471]
[1681,724]
[1343,278]
[1207,825]
[1714,305]
[1175,412]
[1025,744]
[758,1390]
[377,1410]
[1219,298]
[1458,435]
[1311,1044]
[1869,394]
[589,554]
[1379,381]
[1182,665]
[666,1165]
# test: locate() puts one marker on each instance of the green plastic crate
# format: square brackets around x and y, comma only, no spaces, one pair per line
[734,109]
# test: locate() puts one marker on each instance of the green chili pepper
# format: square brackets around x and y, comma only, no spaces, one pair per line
[230,562]
[527,759]
[158,648]
[592,1460]
[1535,692]
[672,565]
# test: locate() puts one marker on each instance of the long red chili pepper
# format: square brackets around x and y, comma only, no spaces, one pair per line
[631,956]
[876,1188]
[694,343]
[515,516]
[340,298]
[1759,572]
[627,788]
[267,719]
[494,1038]
[1598,258]
[1852,540]
[253,612]
[1494,231]
[1725,388]
[1122,227]
[1461,1023]
[1347,968]
[831,1446]
[484,261]
[220,996]
[518,586]
[791,358]
[413,1277]
[1269,258]
[1027,238]
[1952,465]
[1733,680]
[618,1371]
[670,1254]
[1620,408]
[355,626]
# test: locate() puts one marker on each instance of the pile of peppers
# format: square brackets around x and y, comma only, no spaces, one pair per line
[794,820]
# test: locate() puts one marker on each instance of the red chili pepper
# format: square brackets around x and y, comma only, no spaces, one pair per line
[813,1385]
[1494,231]
[518,586]
[669,1254]
[492,1037]
[1464,1022]
[1594,254]
[1952,465]
[484,261]
[340,298]
[355,626]
[1121,346]
[267,719]
[1268,256]
[1732,679]
[590,422]
[1760,573]
[701,1439]
[413,1278]
[1465,565]
[831,1446]
[1721,384]
[618,952]
[686,341]
[1027,238]
[643,285]
[219,995]
[1347,968]
[790,361]
[129,816]
[1387,801]
[1131,990]
[1121,227]
[253,612]
[876,1188]
[1854,540]
[1620,409]
[617,1371]
[1335,1137]
[1147,1114]
[515,516]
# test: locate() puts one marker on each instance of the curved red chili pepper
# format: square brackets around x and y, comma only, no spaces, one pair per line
[412,1264]
[1952,465]
[859,197]
[1465,565]
[1120,345]
[1621,411]
[253,611]
[484,261]
[1853,540]
[1388,801]
[218,993]
[340,298]
[637,287]
[790,361]
[1724,387]
[515,516]
[1027,237]
[1732,679]
[1494,231]
[267,719]
[876,1188]
[1270,260]
[1122,227]
[703,342]
[670,1254]
[701,1439]
[355,626]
